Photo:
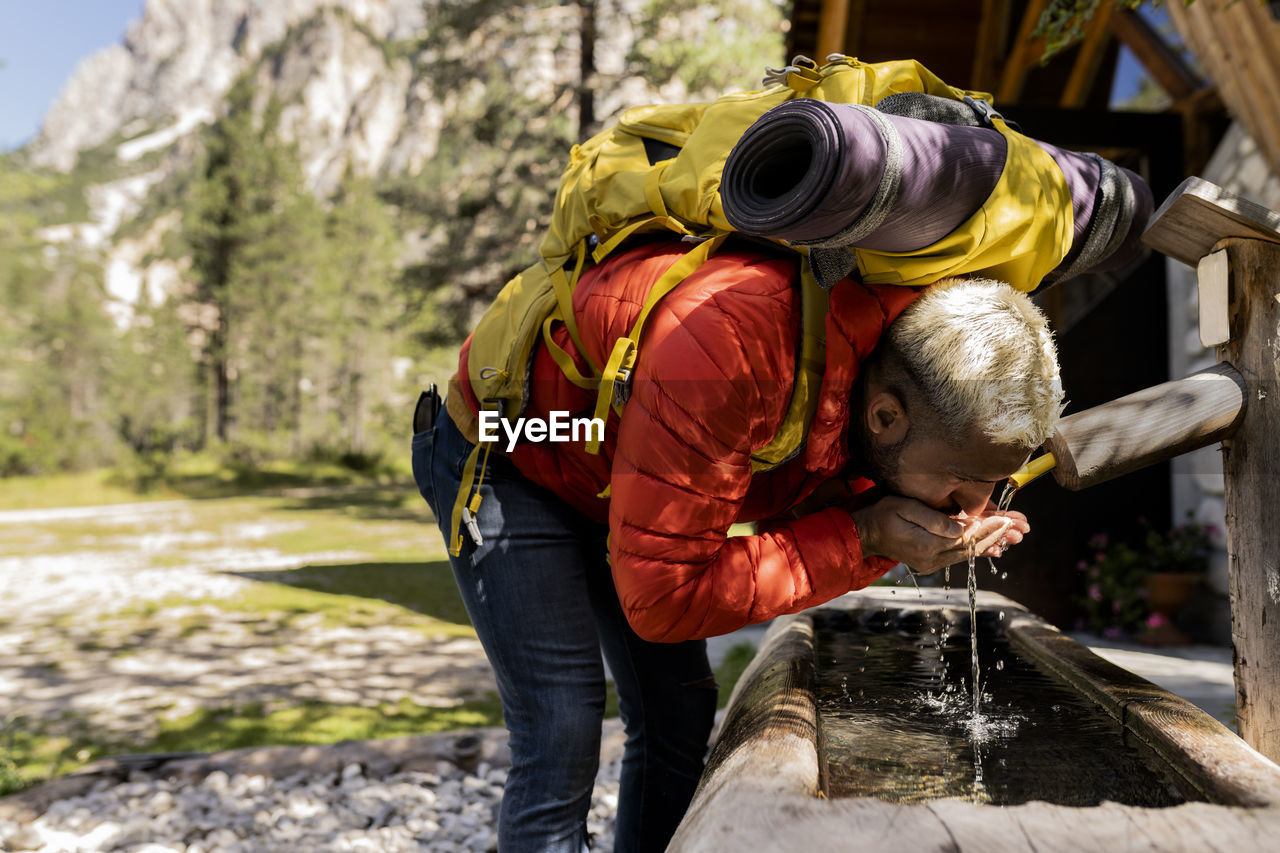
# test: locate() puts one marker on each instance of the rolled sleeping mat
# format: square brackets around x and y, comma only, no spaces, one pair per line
[833,176]
[1111,206]
[836,175]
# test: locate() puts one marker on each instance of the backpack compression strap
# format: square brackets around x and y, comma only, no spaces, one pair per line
[612,385]
[614,381]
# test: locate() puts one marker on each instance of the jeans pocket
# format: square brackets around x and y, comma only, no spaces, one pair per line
[423,450]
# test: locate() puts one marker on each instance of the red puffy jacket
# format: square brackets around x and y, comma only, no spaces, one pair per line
[712,383]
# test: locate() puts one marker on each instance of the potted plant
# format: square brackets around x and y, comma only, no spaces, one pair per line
[1137,588]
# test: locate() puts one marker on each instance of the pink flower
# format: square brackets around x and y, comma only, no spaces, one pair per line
[1081,566]
[1156,620]
[1111,632]
[1095,592]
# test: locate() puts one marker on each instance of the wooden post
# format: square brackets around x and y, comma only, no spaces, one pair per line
[833,29]
[1251,462]
[1197,220]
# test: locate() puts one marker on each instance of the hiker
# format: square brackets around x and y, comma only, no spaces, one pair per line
[786,308]
[905,459]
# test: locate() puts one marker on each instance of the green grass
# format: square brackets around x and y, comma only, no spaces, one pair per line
[29,755]
[406,601]
[730,669]
[236,727]
[192,476]
[90,488]
[400,578]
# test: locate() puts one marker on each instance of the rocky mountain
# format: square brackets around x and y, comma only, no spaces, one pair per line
[377,87]
[178,61]
[459,114]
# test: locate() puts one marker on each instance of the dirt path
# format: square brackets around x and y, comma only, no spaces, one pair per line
[83,640]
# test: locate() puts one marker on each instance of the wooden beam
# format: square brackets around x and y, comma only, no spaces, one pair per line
[1153,52]
[1239,46]
[1092,49]
[833,29]
[993,29]
[1026,53]
[1198,214]
[1251,463]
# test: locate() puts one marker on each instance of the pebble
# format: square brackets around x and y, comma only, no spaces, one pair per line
[449,809]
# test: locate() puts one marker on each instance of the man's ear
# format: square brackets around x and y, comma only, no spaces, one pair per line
[886,418]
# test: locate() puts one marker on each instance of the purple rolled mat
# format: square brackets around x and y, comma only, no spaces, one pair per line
[814,172]
[831,176]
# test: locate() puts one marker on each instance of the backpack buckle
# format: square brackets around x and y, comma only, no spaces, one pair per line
[622,386]
[983,110]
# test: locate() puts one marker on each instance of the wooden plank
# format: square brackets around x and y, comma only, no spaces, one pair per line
[1251,463]
[1214,299]
[833,28]
[1238,45]
[1161,62]
[993,29]
[1198,214]
[1026,53]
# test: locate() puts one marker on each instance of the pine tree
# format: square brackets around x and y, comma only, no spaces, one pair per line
[253,230]
[361,304]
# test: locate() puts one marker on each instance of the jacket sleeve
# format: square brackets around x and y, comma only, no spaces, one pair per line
[705,394]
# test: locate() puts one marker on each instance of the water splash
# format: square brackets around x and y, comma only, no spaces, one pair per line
[975,687]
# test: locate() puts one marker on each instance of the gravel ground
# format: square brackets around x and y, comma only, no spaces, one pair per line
[449,810]
[61,632]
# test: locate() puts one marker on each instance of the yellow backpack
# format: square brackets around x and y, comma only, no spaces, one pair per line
[659,169]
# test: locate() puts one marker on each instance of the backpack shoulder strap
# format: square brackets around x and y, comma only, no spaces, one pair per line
[789,440]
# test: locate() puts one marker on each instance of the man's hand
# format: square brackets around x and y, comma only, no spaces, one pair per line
[906,530]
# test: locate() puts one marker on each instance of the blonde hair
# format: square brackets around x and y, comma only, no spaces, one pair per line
[982,357]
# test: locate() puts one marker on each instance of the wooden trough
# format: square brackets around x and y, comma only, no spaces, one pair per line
[766,783]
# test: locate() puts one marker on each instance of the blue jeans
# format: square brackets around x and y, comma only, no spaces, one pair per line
[541,598]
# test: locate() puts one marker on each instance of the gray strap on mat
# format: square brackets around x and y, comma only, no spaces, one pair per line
[886,193]
[830,258]
[1112,217]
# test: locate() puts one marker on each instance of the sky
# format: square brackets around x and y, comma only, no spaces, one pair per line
[40,43]
[42,40]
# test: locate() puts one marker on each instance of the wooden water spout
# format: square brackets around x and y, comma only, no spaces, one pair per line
[1147,426]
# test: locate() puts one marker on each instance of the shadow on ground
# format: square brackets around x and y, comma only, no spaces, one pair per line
[424,587]
[368,503]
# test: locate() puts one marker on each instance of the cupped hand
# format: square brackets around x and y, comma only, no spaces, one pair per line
[925,539]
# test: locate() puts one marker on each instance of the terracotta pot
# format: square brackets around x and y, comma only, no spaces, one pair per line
[1169,592]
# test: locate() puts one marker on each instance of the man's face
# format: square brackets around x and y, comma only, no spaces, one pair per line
[924,462]
[952,478]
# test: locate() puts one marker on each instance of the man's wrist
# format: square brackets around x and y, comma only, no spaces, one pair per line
[863,528]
